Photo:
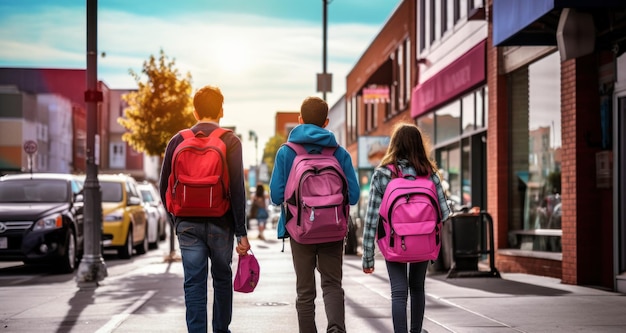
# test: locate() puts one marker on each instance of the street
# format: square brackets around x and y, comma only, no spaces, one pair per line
[144,294]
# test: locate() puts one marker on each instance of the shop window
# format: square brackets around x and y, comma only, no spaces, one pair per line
[449,161]
[448,122]
[468,112]
[536,150]
[426,124]
[466,176]
[481,106]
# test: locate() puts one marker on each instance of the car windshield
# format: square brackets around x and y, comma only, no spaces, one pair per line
[147,196]
[111,191]
[34,190]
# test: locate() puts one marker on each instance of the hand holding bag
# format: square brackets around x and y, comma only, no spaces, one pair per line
[248,271]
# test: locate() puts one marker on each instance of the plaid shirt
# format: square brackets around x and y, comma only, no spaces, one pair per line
[380,179]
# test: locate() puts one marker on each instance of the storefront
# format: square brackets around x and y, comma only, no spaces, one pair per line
[560,100]
[451,109]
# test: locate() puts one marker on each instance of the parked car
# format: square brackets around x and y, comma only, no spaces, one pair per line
[150,195]
[41,219]
[124,224]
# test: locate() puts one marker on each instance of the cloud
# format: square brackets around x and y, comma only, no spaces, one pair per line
[263,65]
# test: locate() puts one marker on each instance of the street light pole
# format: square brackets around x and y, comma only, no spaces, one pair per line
[92,268]
[325,37]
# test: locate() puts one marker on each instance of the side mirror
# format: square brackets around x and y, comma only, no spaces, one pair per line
[79,197]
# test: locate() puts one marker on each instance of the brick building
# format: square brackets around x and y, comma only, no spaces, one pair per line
[525,118]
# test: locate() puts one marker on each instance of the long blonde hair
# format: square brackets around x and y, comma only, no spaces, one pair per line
[408,143]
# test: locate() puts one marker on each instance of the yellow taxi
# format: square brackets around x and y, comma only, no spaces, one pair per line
[124,220]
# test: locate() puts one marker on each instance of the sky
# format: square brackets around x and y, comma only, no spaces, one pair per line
[263,54]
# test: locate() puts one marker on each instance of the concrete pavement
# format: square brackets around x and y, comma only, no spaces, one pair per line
[147,296]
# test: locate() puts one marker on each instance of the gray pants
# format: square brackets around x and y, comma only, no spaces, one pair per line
[328,259]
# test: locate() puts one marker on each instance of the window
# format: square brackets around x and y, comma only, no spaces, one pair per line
[448,122]
[422,23]
[351,118]
[426,123]
[468,113]
[433,22]
[408,64]
[536,151]
[371,119]
[444,16]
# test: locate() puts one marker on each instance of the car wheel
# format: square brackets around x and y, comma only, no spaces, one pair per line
[143,247]
[126,251]
[68,261]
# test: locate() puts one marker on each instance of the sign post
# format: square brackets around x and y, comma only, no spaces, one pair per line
[30,147]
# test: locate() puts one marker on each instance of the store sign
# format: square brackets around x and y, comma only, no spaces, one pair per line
[461,75]
[376,95]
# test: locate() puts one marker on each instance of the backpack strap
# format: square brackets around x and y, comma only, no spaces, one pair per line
[218,132]
[187,133]
[300,150]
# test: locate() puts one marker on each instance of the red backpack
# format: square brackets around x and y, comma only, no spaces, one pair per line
[199,184]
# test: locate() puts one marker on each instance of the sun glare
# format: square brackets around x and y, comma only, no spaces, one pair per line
[233,57]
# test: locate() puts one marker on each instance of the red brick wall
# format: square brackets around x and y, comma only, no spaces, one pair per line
[587,222]
[497,143]
[528,265]
[401,24]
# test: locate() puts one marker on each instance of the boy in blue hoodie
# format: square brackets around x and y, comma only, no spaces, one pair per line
[326,257]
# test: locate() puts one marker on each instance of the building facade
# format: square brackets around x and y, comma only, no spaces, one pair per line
[556,71]
[523,103]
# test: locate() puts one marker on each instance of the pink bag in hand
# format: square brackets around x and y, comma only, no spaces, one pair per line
[248,271]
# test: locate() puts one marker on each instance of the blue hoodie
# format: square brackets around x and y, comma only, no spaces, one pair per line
[312,137]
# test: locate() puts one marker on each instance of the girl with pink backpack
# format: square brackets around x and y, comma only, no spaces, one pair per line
[407,155]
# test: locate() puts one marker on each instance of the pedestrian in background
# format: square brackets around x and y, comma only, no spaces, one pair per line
[204,238]
[408,152]
[259,207]
[326,257]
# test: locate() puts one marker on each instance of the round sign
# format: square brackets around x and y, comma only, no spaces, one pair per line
[30,147]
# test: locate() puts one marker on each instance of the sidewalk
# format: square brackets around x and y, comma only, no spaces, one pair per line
[149,298]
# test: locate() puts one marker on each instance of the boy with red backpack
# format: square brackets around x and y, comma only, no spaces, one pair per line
[202,184]
[315,183]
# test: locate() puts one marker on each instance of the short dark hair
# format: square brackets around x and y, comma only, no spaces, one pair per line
[314,110]
[208,102]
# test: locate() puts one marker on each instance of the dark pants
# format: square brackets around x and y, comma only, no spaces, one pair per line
[328,259]
[405,278]
[200,242]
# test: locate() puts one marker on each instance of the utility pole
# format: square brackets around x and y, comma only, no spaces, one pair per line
[324,79]
[92,268]
[325,37]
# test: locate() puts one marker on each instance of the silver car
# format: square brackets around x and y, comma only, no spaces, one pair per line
[152,198]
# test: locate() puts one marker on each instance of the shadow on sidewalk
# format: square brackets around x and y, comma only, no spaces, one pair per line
[500,286]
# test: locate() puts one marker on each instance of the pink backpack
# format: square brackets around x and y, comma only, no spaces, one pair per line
[316,197]
[248,273]
[409,220]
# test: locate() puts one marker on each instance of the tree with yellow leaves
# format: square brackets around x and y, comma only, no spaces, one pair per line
[159,108]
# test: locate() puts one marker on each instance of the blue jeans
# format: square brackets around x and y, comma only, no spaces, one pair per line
[328,259]
[403,281]
[199,242]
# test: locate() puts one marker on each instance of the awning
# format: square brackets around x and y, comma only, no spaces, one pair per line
[534,22]
[460,76]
